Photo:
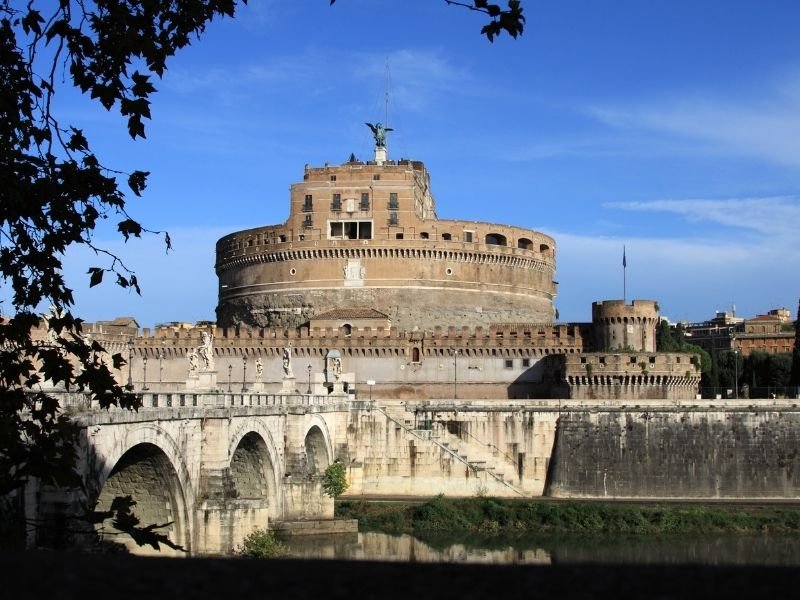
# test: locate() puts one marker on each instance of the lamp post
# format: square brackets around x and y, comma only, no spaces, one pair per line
[144,374]
[455,373]
[309,379]
[129,387]
[244,373]
[735,374]
[230,372]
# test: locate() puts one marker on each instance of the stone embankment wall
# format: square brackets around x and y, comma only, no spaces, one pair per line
[434,448]
[682,452]
[576,449]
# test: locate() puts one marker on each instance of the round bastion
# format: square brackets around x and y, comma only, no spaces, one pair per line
[626,327]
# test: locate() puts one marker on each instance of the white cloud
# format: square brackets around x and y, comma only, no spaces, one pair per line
[766,126]
[774,216]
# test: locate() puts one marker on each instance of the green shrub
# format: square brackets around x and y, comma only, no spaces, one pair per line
[261,543]
[334,482]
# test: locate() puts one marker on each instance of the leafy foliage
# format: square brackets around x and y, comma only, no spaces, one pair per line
[54,191]
[761,369]
[261,543]
[509,20]
[497,515]
[334,482]
[674,340]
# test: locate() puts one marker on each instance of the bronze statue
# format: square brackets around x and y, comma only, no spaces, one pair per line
[379,132]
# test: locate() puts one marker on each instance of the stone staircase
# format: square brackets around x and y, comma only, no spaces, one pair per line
[481,456]
[479,460]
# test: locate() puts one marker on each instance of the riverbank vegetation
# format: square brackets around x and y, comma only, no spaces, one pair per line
[509,516]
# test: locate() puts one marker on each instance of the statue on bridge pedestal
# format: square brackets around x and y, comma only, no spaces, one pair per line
[205,352]
[259,370]
[287,363]
[191,356]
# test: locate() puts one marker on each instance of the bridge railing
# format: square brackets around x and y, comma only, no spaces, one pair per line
[77,402]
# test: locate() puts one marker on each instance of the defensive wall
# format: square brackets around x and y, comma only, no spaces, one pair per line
[522,360]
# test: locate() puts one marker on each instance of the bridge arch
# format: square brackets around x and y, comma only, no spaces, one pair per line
[147,459]
[255,465]
[317,446]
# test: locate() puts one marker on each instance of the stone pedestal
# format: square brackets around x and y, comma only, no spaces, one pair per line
[203,381]
[289,385]
[257,387]
[380,155]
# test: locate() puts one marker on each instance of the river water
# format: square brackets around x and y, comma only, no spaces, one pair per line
[665,550]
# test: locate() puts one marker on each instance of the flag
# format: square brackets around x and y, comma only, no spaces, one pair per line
[624,261]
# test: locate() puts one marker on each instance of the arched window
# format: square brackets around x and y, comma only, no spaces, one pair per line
[447,237]
[415,355]
[347,329]
[495,239]
[424,235]
[525,244]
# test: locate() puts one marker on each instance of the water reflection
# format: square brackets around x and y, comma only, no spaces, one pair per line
[665,550]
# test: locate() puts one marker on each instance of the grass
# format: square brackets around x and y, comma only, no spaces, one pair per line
[502,516]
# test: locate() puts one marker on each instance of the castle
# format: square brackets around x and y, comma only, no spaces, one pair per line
[422,308]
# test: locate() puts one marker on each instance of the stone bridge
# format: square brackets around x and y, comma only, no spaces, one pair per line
[212,465]
[216,465]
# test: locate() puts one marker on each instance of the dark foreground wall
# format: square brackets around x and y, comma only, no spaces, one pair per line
[680,453]
[80,577]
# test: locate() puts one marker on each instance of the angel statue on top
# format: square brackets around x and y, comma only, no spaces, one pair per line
[379,133]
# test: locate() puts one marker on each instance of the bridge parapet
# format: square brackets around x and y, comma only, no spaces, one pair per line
[78,403]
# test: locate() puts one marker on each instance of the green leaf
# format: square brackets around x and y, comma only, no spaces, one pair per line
[96,276]
[77,140]
[137,181]
[129,227]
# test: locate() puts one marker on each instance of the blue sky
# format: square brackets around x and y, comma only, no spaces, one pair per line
[669,127]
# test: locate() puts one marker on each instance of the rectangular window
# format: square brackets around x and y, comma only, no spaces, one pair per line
[336,203]
[393,203]
[509,363]
[364,205]
[350,230]
[468,236]
[308,203]
[393,219]
[308,222]
[333,177]
[376,177]
[526,362]
[365,230]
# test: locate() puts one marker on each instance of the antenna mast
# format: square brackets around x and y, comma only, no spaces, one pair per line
[386,97]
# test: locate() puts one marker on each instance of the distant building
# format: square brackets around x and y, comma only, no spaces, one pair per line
[726,331]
